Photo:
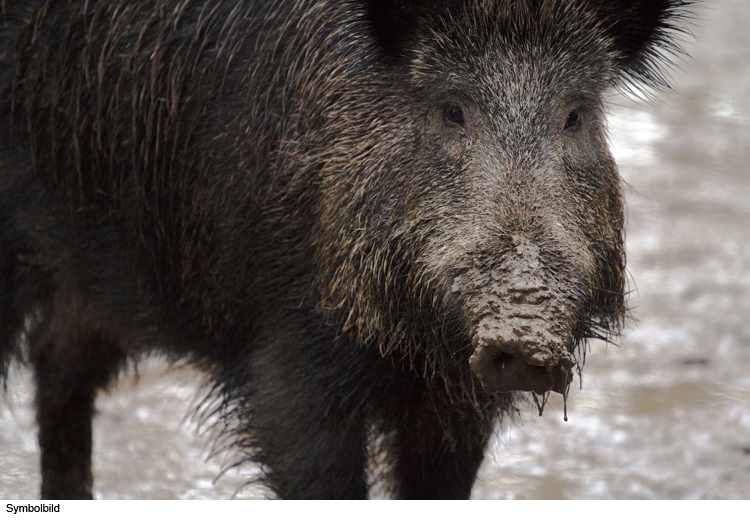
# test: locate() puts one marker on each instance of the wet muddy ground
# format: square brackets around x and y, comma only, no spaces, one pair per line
[666,414]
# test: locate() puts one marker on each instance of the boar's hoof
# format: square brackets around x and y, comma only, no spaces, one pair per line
[501,371]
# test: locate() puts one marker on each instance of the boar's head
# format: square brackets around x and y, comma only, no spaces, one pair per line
[472,214]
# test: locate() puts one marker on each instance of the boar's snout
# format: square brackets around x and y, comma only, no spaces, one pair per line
[523,347]
[521,325]
[524,362]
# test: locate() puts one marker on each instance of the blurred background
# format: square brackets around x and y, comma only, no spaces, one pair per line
[664,414]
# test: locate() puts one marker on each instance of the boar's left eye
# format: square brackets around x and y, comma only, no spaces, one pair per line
[571,122]
[454,117]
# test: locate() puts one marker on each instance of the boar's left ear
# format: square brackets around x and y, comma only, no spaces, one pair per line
[645,34]
[396,23]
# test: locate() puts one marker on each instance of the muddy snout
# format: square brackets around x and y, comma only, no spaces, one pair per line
[520,322]
[520,358]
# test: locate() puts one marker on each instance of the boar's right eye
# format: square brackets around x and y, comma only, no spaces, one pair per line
[454,117]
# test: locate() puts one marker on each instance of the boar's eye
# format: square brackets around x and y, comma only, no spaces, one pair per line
[571,122]
[454,117]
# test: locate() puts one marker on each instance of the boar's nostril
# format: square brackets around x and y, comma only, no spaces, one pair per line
[501,359]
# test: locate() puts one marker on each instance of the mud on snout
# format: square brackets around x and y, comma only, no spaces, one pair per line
[521,328]
[520,353]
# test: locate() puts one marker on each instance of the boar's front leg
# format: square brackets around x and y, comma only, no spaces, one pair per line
[437,458]
[70,364]
[318,456]
[307,416]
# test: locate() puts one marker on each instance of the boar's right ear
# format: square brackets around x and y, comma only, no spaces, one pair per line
[396,23]
[643,32]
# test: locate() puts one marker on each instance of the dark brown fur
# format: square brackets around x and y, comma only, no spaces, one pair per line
[267,190]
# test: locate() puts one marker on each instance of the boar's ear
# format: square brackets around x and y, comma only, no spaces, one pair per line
[396,23]
[645,34]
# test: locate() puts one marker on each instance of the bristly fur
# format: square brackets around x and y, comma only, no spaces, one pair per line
[269,190]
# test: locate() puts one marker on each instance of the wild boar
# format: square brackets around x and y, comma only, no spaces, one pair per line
[360,219]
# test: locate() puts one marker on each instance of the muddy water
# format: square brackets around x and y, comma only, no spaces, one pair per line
[666,414]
